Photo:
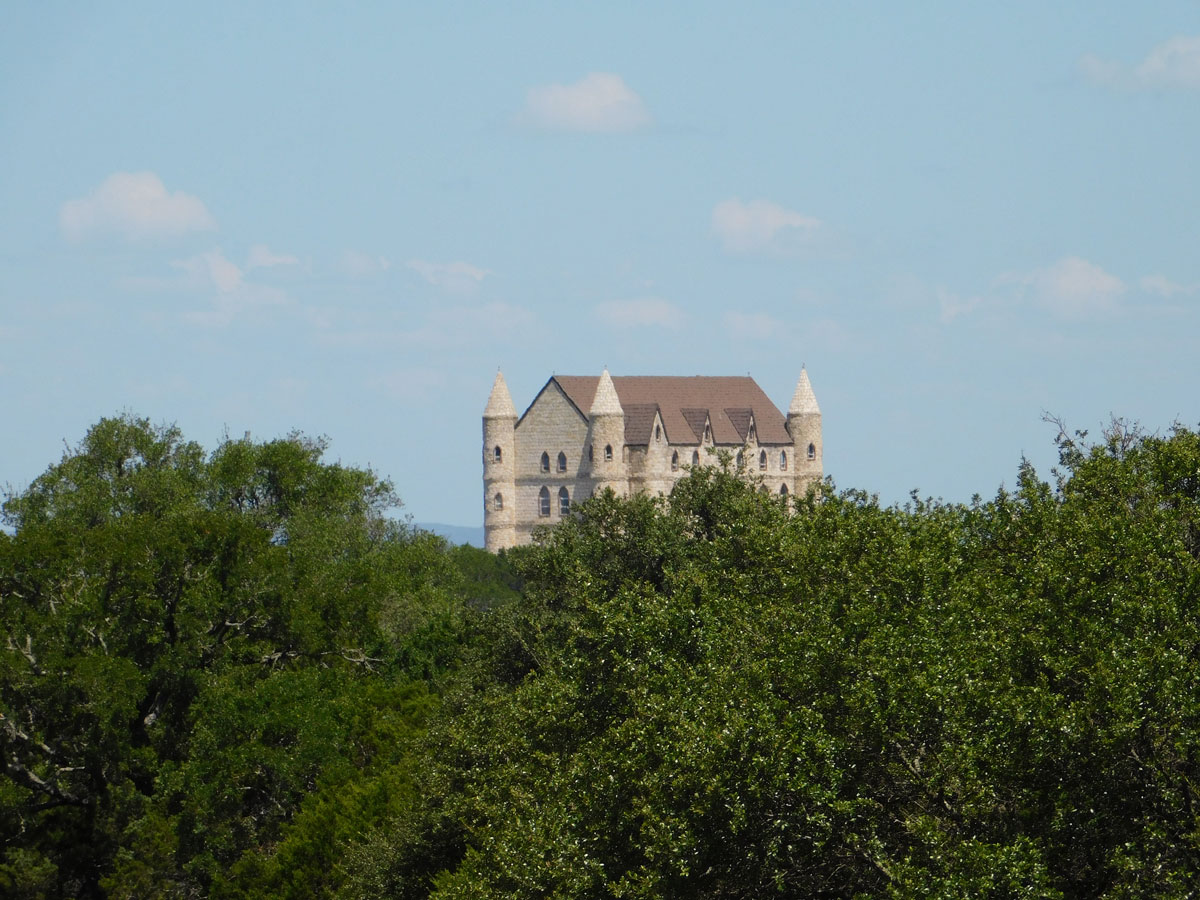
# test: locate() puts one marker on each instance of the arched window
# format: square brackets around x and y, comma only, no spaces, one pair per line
[564,501]
[562,462]
[658,432]
[812,451]
[497,454]
[783,490]
[545,462]
[762,460]
[608,451]
[695,457]
[741,459]
[675,461]
[782,460]
[498,502]
[544,501]
[707,433]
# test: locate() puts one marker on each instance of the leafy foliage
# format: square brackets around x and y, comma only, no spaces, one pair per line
[711,696]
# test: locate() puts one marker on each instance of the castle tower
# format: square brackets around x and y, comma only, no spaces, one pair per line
[499,469]
[804,425]
[606,439]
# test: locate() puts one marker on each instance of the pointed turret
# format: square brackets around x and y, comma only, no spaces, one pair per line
[804,425]
[500,405]
[804,401]
[499,468]
[606,402]
[606,439]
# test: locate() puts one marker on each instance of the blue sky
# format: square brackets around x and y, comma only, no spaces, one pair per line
[343,219]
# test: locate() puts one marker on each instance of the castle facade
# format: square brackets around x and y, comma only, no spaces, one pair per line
[584,433]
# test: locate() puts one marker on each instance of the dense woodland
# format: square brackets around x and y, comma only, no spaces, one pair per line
[238,673]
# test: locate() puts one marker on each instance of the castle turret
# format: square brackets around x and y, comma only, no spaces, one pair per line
[804,425]
[606,439]
[499,469]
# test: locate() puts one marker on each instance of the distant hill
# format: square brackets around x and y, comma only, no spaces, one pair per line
[455,534]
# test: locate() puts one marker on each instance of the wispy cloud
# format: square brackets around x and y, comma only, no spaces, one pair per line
[357,264]
[231,294]
[1165,287]
[598,103]
[639,313]
[1175,63]
[761,226]
[952,306]
[261,257]
[133,206]
[1071,288]
[455,277]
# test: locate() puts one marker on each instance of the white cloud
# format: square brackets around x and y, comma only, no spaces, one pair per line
[261,257]
[1165,287]
[134,206]
[761,226]
[640,312]
[233,295]
[1175,63]
[1073,287]
[756,326]
[598,103]
[952,305]
[456,277]
[360,265]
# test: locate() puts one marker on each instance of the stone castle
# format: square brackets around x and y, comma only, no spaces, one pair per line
[583,433]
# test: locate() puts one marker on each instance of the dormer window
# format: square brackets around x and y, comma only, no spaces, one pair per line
[562,462]
[545,462]
[497,454]
[608,452]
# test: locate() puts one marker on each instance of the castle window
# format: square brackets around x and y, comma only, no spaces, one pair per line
[562,462]
[783,490]
[608,451]
[812,451]
[762,460]
[545,462]
[658,432]
[544,501]
[497,454]
[783,460]
[498,502]
[695,457]
[675,461]
[564,502]
[591,453]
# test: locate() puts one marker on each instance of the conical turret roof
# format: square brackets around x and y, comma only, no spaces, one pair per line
[804,401]
[500,405]
[606,401]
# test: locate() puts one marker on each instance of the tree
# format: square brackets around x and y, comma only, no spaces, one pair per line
[193,645]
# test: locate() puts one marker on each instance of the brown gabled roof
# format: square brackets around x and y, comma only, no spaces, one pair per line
[683,402]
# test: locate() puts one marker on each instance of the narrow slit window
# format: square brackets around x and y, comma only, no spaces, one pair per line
[658,432]
[812,451]
[497,454]
[608,451]
[562,462]
[545,462]
[498,502]
[782,460]
[762,460]
[675,461]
